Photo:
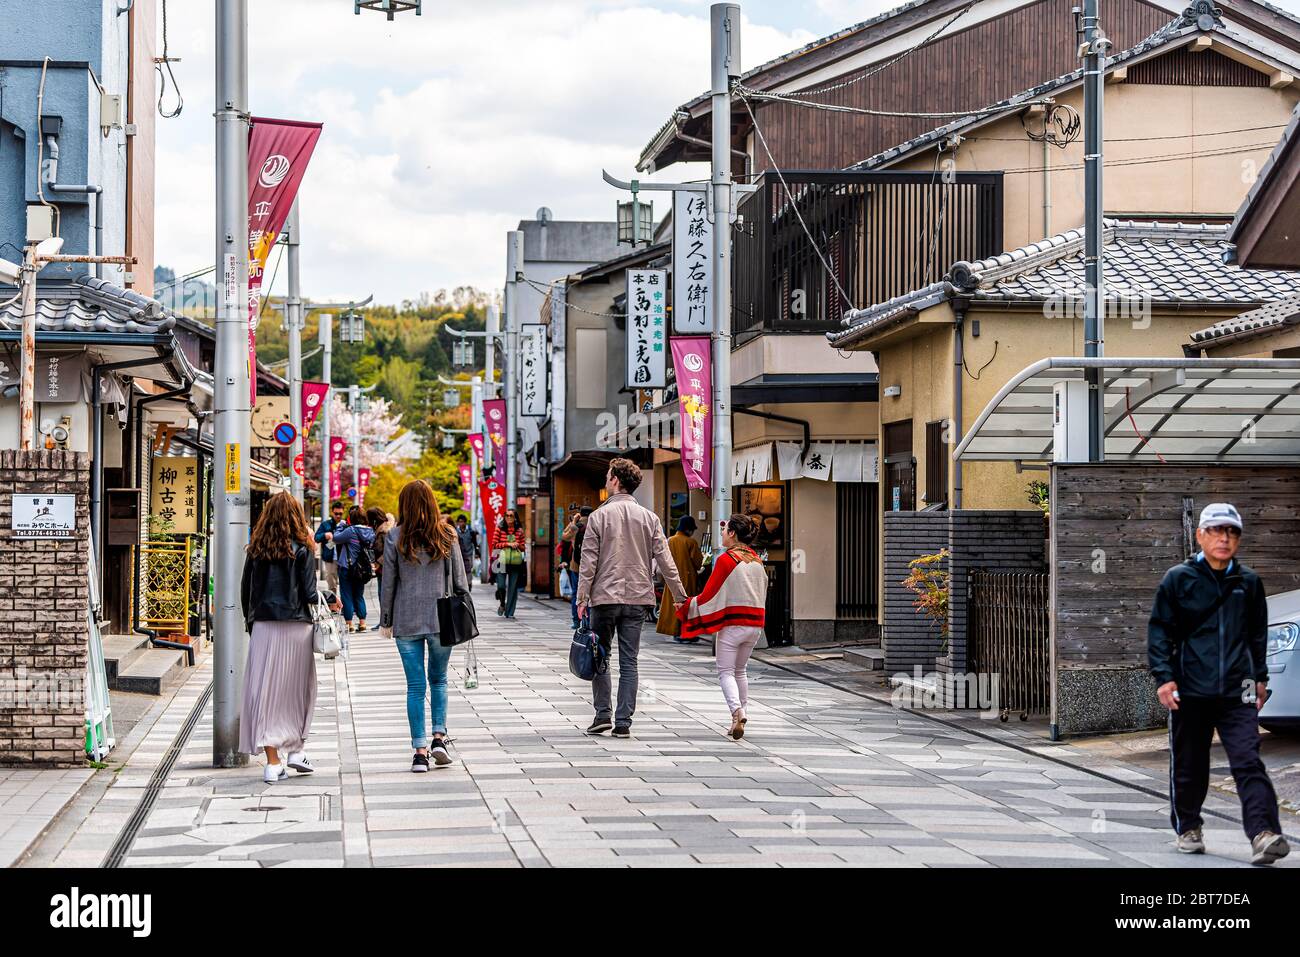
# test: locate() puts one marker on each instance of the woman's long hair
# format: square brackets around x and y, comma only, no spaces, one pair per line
[280,529]
[509,521]
[421,524]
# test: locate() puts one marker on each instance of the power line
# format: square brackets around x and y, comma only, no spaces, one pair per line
[547,287]
[746,93]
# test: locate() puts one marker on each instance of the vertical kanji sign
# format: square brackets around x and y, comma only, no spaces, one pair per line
[647,366]
[466,485]
[493,497]
[692,264]
[174,493]
[338,449]
[363,483]
[532,365]
[494,417]
[691,362]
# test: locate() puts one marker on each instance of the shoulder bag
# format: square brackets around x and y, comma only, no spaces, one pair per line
[457,622]
[327,638]
[587,656]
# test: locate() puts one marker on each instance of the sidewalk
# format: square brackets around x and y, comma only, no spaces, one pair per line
[823,777]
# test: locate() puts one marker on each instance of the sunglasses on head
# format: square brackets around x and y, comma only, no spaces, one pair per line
[1232,531]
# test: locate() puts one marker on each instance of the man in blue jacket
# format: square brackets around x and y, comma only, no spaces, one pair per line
[1206,645]
[325,536]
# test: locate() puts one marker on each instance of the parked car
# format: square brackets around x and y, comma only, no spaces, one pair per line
[1282,710]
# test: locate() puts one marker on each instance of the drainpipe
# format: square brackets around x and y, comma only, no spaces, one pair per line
[959,308]
[807,429]
[98,193]
[1047,188]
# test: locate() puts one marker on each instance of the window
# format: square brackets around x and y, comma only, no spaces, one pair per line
[589,367]
[936,463]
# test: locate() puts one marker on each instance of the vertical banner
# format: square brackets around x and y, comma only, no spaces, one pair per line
[476,443]
[313,400]
[493,497]
[692,264]
[646,358]
[363,483]
[691,362]
[465,485]
[494,417]
[532,369]
[278,153]
[338,450]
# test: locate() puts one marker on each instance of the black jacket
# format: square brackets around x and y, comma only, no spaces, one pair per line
[282,590]
[1210,654]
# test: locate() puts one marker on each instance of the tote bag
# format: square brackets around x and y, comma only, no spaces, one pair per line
[457,622]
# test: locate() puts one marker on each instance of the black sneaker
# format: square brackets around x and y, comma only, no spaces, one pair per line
[420,763]
[600,726]
[438,751]
[623,731]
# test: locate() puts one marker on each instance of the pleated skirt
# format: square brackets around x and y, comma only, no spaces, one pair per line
[279,687]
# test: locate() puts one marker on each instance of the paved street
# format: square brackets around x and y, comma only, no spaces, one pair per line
[823,777]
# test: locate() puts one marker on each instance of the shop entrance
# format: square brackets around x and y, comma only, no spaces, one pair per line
[769,505]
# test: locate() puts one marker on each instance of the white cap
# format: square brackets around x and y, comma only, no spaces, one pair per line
[1219,513]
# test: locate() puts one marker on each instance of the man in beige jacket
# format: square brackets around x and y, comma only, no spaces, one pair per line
[623,541]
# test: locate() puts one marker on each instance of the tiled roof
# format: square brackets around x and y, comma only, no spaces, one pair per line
[90,305]
[1160,263]
[1257,322]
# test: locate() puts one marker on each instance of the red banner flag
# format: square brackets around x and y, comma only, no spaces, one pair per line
[493,497]
[363,483]
[278,153]
[465,483]
[313,400]
[691,361]
[494,415]
[476,443]
[338,450]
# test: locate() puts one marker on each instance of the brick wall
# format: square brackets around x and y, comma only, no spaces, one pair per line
[908,637]
[43,612]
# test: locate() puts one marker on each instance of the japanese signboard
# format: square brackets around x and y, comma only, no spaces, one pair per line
[38,515]
[60,377]
[691,362]
[268,412]
[646,329]
[234,468]
[338,449]
[493,497]
[494,416]
[692,264]
[174,493]
[532,369]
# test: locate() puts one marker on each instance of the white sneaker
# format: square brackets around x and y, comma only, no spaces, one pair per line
[274,772]
[299,762]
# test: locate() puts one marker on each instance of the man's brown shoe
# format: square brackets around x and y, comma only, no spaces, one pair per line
[1268,847]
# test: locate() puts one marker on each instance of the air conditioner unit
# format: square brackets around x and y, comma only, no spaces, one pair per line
[1070,421]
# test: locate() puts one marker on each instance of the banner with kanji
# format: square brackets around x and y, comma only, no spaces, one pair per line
[363,483]
[338,450]
[493,497]
[476,443]
[692,363]
[465,486]
[494,415]
[278,153]
[313,400]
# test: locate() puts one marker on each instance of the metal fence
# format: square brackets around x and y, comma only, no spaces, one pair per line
[1008,622]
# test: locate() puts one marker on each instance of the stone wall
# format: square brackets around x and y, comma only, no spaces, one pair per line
[44,603]
[908,637]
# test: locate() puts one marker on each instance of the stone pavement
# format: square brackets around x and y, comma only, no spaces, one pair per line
[29,801]
[822,778]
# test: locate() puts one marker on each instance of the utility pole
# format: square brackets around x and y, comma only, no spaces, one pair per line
[293,321]
[230,488]
[514,272]
[1092,48]
[724,20]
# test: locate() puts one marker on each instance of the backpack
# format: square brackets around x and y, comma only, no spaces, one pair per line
[363,568]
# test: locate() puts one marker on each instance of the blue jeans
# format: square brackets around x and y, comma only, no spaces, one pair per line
[352,594]
[412,652]
[573,594]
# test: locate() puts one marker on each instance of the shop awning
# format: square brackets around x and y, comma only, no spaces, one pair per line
[1176,409]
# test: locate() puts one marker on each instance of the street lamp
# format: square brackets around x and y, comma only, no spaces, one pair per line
[389,7]
[635,221]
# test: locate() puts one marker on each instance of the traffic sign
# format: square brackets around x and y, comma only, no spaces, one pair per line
[285,433]
[297,464]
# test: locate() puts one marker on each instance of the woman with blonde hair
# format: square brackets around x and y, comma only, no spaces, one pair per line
[278,594]
[422,563]
[732,606]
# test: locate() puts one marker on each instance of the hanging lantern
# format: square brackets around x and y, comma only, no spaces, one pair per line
[448,440]
[635,222]
[451,398]
[389,7]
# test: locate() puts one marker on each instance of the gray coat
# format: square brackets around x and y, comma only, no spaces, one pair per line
[410,591]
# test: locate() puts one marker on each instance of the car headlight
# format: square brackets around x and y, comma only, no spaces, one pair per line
[1282,638]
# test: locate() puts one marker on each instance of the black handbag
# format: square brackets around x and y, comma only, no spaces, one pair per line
[457,622]
[587,656]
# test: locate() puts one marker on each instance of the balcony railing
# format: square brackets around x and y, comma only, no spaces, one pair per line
[880,234]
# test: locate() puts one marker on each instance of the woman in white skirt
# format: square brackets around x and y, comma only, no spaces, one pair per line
[732,606]
[279,591]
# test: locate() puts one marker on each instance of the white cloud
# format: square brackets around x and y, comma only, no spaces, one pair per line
[442,131]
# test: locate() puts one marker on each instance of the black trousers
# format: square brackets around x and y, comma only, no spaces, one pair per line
[1191,732]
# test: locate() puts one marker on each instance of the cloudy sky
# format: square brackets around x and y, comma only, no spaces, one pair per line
[443,131]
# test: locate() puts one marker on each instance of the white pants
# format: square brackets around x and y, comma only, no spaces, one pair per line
[735,644]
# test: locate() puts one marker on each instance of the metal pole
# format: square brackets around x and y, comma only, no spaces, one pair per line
[293,320]
[27,376]
[514,271]
[327,345]
[1093,46]
[231,419]
[354,399]
[725,64]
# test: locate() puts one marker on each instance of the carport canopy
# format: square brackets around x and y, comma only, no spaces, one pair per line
[1157,409]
